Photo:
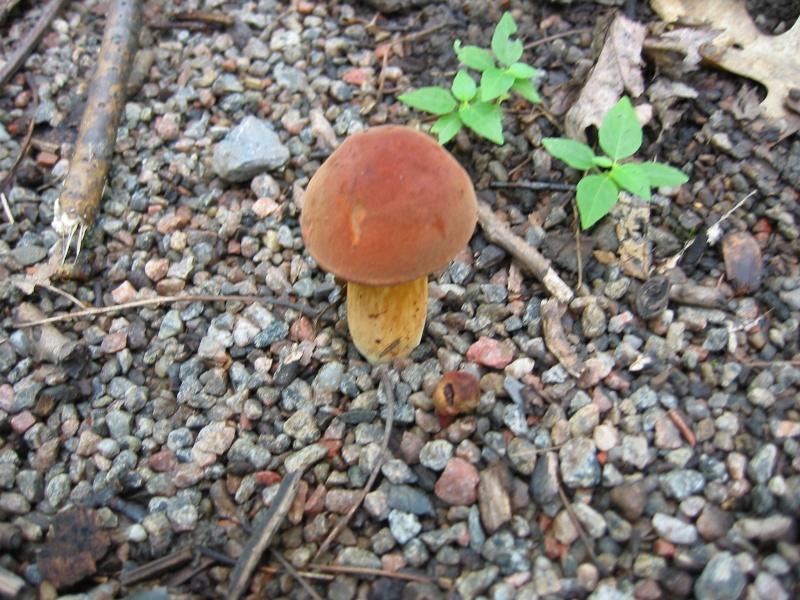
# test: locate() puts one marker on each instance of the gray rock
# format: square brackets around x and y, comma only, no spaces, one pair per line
[762,465]
[303,459]
[579,466]
[682,483]
[403,525]
[435,454]
[302,426]
[29,255]
[722,579]
[674,530]
[472,584]
[248,150]
[356,557]
[410,499]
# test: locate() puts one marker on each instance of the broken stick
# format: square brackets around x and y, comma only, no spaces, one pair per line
[48,344]
[263,534]
[76,208]
[496,231]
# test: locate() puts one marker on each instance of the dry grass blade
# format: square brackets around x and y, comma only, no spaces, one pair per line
[387,388]
[263,534]
[105,310]
[441,582]
[75,210]
[496,231]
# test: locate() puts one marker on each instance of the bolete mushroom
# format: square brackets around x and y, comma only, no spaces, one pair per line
[387,208]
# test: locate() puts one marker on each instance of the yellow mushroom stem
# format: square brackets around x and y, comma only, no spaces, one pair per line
[387,321]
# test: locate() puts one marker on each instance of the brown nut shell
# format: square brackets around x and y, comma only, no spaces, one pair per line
[457,393]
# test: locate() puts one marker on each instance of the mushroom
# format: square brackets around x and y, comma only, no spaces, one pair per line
[387,208]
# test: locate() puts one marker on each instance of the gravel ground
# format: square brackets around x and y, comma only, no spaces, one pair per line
[680,461]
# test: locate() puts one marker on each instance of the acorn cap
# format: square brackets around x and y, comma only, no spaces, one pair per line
[390,205]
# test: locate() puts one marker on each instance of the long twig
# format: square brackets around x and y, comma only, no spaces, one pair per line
[297,576]
[27,45]
[557,36]
[498,232]
[445,585]
[387,388]
[586,541]
[534,185]
[26,143]
[105,310]
[260,540]
[77,206]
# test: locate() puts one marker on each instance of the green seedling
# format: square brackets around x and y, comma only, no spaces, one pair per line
[620,137]
[473,105]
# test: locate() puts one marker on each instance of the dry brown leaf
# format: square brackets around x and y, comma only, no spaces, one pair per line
[743,265]
[663,93]
[79,540]
[618,70]
[741,48]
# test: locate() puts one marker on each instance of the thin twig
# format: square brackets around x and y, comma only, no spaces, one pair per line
[534,185]
[498,232]
[445,585]
[413,36]
[585,538]
[105,310]
[387,388]
[26,143]
[294,573]
[157,567]
[27,45]
[66,295]
[259,542]
[557,36]
[578,245]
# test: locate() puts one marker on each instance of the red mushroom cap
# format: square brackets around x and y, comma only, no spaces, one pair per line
[388,206]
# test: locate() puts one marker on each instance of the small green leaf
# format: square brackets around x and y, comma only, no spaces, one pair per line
[494,83]
[620,133]
[603,162]
[663,175]
[464,88]
[434,100]
[507,51]
[631,177]
[447,126]
[473,56]
[485,119]
[525,87]
[575,154]
[522,71]
[596,196]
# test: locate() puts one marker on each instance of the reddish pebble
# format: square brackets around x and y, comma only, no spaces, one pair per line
[458,484]
[341,501]
[356,76]
[333,446]
[22,422]
[663,548]
[490,353]
[163,462]
[267,477]
[7,396]
[302,330]
[553,549]
[393,562]
[172,223]
[316,501]
[156,268]
[114,342]
[123,293]
[46,159]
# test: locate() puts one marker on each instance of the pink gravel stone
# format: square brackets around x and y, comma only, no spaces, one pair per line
[490,353]
[22,422]
[458,484]
[124,292]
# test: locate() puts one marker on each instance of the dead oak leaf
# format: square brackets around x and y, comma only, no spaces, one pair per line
[741,48]
[618,70]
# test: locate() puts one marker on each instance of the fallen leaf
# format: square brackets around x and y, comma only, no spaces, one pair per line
[618,69]
[663,93]
[743,265]
[78,542]
[741,48]
[687,42]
